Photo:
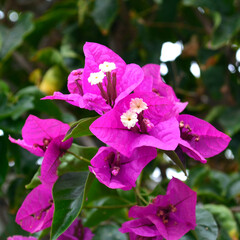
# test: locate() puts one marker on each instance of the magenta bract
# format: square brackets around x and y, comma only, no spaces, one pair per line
[36,212]
[18,237]
[153,82]
[169,216]
[199,139]
[38,133]
[77,231]
[157,127]
[117,171]
[118,82]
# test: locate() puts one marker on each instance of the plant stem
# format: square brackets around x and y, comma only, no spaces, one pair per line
[79,157]
[110,207]
[138,195]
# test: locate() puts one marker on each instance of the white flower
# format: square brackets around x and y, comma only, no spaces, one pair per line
[107,66]
[129,119]
[137,105]
[96,77]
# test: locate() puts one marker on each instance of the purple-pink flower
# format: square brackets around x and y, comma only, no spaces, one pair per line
[153,82]
[37,209]
[140,119]
[38,133]
[117,171]
[104,81]
[199,139]
[170,216]
[77,231]
[18,237]
[43,137]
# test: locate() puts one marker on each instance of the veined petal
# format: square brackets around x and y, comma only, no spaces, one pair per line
[211,141]
[36,129]
[36,211]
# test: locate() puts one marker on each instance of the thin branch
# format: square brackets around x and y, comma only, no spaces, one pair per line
[79,157]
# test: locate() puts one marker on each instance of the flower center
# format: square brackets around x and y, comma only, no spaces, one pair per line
[114,163]
[186,132]
[164,213]
[137,105]
[96,78]
[77,78]
[129,119]
[133,119]
[109,91]
[46,142]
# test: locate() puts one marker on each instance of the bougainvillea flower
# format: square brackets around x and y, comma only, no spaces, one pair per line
[104,81]
[169,216]
[38,133]
[134,236]
[153,82]
[76,231]
[18,237]
[140,119]
[117,171]
[199,139]
[50,163]
[37,209]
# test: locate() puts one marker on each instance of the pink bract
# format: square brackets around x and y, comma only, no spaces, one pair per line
[117,171]
[199,139]
[153,82]
[124,79]
[76,231]
[18,237]
[37,209]
[37,134]
[169,216]
[164,134]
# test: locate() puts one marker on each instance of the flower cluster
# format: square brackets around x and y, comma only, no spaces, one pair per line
[43,137]
[140,113]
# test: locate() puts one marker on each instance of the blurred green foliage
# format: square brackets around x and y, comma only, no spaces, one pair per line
[40,47]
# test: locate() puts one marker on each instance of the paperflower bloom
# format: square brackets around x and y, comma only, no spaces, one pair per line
[140,119]
[76,231]
[104,81]
[153,82]
[18,237]
[117,171]
[199,139]
[43,137]
[170,216]
[37,209]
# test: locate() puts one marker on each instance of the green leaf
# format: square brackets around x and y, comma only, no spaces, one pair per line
[110,206]
[109,232]
[229,26]
[53,80]
[48,107]
[15,111]
[225,219]
[49,56]
[206,228]
[80,128]
[35,180]
[104,13]
[230,120]
[68,197]
[176,159]
[82,10]
[72,163]
[233,189]
[4,160]
[12,38]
